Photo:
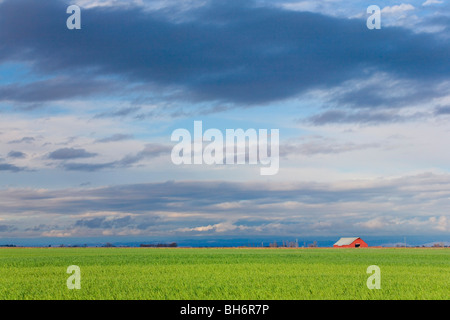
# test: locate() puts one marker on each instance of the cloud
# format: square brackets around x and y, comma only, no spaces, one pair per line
[106,3]
[7,228]
[53,89]
[361,117]
[439,23]
[397,8]
[225,51]
[431,2]
[379,99]
[90,223]
[441,223]
[321,145]
[17,155]
[151,150]
[431,223]
[115,138]
[134,62]
[128,221]
[122,112]
[381,206]
[41,227]
[56,234]
[23,140]
[380,91]
[376,223]
[219,227]
[89,167]
[70,153]
[10,167]
[443,110]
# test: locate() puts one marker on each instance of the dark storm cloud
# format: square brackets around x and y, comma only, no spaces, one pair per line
[227,51]
[70,153]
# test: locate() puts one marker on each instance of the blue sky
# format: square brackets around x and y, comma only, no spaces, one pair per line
[86,118]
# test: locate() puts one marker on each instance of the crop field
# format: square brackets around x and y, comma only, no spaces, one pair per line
[177,273]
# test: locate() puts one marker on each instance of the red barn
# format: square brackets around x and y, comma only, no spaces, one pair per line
[354,242]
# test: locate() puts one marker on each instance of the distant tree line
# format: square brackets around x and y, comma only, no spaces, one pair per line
[159,245]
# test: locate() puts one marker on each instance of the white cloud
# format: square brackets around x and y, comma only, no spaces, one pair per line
[376,223]
[431,2]
[301,6]
[397,9]
[57,234]
[219,227]
[175,5]
[440,223]
[107,3]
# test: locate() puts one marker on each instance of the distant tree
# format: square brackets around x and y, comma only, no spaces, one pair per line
[313,245]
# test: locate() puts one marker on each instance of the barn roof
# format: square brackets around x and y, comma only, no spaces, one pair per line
[345,241]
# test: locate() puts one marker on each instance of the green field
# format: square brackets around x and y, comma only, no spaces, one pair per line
[144,273]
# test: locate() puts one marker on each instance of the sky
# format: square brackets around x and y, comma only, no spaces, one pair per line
[86,118]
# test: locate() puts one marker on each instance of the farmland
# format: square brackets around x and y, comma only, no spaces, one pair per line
[178,273]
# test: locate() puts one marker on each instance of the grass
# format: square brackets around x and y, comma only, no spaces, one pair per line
[144,273]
